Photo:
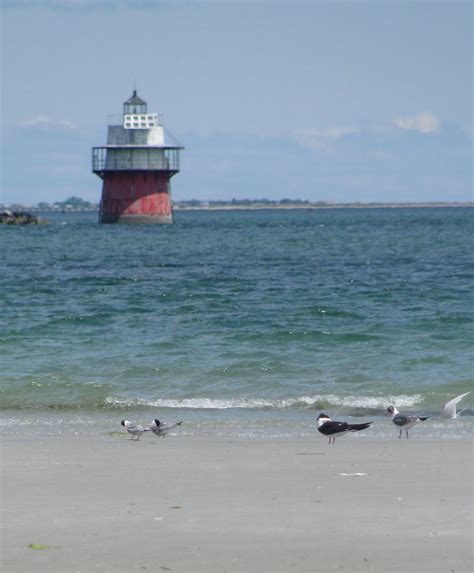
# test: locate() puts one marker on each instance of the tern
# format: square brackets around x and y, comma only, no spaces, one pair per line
[450,407]
[404,422]
[133,429]
[334,429]
[162,428]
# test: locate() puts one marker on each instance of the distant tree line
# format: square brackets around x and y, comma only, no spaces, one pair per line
[70,204]
[196,203]
[78,204]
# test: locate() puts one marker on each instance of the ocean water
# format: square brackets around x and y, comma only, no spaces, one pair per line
[240,323]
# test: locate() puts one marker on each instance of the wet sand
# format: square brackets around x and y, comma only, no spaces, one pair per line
[247,505]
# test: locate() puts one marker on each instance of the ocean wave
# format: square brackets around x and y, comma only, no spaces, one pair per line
[307,402]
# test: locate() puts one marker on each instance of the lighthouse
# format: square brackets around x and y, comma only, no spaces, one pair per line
[136,166]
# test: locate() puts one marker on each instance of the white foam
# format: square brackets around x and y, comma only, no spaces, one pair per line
[373,402]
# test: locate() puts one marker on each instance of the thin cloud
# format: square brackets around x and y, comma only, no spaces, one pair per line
[47,123]
[425,122]
[319,138]
[87,5]
[329,133]
[51,3]
[72,3]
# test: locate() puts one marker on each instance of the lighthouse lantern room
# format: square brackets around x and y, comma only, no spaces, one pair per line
[136,166]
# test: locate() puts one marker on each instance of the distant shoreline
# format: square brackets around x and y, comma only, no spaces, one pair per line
[264,206]
[314,206]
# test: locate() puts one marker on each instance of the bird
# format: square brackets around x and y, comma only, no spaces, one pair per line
[133,429]
[404,422]
[162,428]
[450,407]
[334,429]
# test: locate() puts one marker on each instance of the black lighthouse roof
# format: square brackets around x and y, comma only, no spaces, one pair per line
[135,100]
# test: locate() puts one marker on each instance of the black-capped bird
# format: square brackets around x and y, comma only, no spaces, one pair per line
[404,422]
[334,429]
[133,429]
[162,428]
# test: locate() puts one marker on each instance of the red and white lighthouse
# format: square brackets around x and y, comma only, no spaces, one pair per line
[136,166]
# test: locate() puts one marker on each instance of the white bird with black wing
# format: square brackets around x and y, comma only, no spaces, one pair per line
[334,429]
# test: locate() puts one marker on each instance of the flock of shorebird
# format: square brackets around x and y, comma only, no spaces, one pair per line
[403,422]
[327,427]
[160,429]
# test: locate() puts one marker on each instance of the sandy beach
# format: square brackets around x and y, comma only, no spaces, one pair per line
[178,504]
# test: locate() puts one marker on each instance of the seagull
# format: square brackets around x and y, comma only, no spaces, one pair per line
[404,422]
[450,407]
[162,428]
[133,429]
[334,429]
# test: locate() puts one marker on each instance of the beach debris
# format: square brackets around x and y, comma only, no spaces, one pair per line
[404,422]
[334,429]
[40,547]
[353,474]
[133,429]
[162,428]
[450,407]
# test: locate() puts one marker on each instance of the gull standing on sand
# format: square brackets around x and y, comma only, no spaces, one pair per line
[162,428]
[404,422]
[450,407]
[333,429]
[133,429]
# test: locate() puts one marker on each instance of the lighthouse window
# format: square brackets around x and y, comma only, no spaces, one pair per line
[140,121]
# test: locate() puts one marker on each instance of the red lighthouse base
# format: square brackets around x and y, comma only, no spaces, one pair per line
[135,197]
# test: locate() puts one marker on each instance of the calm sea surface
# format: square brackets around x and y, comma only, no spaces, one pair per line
[238,322]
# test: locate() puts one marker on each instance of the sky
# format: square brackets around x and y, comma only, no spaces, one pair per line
[332,101]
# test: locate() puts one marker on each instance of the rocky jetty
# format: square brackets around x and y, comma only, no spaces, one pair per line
[8,217]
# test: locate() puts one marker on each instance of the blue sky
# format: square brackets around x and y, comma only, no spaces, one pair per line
[322,101]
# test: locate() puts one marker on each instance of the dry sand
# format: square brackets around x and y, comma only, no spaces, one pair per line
[214,505]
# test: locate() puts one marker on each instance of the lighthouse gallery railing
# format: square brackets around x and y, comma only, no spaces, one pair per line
[135,158]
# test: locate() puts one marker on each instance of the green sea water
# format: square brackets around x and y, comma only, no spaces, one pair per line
[238,322]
